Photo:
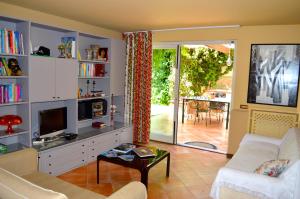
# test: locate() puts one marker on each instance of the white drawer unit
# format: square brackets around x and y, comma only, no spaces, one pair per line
[58,160]
[101,143]
[126,135]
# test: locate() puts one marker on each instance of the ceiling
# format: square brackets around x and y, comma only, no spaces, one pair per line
[133,15]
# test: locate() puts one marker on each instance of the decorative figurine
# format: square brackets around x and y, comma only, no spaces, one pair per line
[87,88]
[94,83]
[62,51]
[89,54]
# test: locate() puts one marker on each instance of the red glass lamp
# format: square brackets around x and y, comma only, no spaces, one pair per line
[9,121]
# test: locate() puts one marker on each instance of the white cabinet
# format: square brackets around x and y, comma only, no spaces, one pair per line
[66,78]
[52,79]
[126,135]
[117,70]
[41,81]
[59,160]
[101,143]
[64,158]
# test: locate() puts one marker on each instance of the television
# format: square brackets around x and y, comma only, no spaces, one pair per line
[52,121]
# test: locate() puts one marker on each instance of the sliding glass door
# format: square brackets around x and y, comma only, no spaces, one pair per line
[164,96]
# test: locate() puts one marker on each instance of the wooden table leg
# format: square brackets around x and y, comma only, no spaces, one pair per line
[98,171]
[144,177]
[168,166]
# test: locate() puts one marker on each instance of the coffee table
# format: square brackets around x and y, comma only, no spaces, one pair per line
[141,164]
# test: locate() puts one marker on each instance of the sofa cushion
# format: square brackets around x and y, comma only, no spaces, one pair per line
[251,155]
[272,168]
[56,184]
[290,146]
[14,162]
[18,186]
[8,193]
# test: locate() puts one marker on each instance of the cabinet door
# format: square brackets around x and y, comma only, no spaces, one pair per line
[117,70]
[126,135]
[41,79]
[66,78]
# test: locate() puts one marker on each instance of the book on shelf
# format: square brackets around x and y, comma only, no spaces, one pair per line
[10,93]
[143,152]
[91,70]
[11,42]
[124,148]
[9,67]
[70,44]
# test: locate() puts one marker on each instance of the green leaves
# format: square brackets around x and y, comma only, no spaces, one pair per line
[201,68]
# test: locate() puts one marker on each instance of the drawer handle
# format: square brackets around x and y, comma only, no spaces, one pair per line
[82,145]
[82,152]
[49,156]
[82,160]
[93,149]
[50,165]
[93,156]
[50,172]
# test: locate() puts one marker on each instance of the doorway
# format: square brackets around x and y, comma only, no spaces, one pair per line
[191,94]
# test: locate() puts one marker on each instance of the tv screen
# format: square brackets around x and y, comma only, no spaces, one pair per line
[52,121]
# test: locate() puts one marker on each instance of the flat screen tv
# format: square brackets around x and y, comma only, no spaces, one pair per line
[52,121]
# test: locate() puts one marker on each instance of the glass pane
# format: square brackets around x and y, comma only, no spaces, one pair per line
[205,95]
[162,96]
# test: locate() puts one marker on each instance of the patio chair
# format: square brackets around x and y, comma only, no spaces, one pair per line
[216,109]
[196,108]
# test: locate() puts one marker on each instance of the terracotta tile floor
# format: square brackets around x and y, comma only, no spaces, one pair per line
[192,172]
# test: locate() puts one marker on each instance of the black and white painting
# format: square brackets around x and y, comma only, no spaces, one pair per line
[274,74]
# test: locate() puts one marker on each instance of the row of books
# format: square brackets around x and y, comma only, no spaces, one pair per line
[10,93]
[91,70]
[11,42]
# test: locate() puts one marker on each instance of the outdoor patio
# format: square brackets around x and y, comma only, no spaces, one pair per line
[162,128]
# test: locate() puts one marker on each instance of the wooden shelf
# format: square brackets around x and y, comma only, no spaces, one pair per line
[106,77]
[14,77]
[94,61]
[12,55]
[17,132]
[13,103]
[91,98]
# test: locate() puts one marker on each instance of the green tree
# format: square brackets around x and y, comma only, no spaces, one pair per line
[163,62]
[200,70]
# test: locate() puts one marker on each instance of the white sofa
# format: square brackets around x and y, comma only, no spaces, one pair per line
[238,180]
[19,179]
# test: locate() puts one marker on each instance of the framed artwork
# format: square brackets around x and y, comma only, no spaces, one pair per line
[274,74]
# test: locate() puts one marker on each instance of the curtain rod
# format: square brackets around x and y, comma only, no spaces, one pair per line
[188,28]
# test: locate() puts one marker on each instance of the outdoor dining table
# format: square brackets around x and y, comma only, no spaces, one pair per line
[221,100]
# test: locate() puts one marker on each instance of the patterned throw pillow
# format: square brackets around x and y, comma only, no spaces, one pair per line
[272,168]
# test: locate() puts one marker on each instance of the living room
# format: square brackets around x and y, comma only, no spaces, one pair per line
[254,27]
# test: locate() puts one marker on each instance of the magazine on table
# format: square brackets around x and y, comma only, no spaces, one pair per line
[144,152]
[124,148]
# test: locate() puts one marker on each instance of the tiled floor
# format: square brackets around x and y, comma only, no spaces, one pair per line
[191,175]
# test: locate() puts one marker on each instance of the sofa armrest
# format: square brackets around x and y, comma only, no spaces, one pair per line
[259,138]
[133,190]
[21,162]
[249,183]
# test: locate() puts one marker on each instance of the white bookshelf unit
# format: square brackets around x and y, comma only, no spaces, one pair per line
[50,82]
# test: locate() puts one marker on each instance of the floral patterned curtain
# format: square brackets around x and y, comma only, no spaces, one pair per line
[138,84]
